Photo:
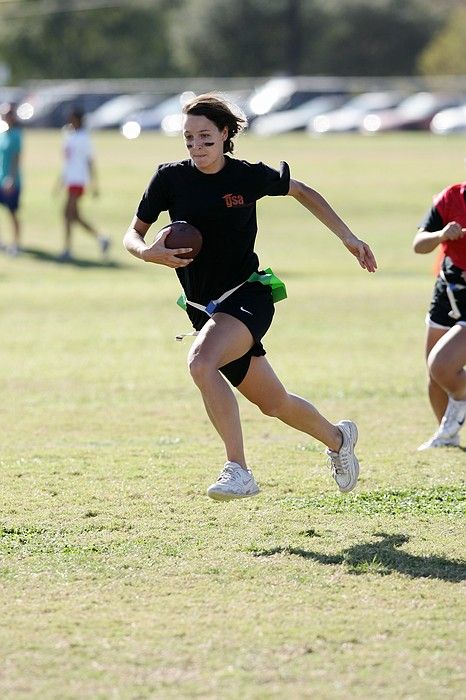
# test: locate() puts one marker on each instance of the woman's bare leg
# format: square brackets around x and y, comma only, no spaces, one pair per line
[72,215]
[446,363]
[262,387]
[438,397]
[222,340]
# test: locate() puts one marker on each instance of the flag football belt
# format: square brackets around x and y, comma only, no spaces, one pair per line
[451,288]
[267,278]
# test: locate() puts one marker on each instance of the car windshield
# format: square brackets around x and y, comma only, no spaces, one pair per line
[316,105]
[416,104]
[372,100]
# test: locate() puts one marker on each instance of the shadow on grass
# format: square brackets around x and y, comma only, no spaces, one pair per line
[382,557]
[45,256]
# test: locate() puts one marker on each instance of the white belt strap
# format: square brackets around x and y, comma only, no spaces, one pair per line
[455,312]
[212,305]
[209,309]
[180,336]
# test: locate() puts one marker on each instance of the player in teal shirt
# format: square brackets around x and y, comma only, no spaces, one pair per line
[10,173]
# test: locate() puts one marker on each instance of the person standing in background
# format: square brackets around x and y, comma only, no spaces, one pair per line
[10,172]
[78,172]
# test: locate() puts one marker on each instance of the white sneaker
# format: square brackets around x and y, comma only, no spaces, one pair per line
[453,419]
[233,482]
[344,464]
[436,441]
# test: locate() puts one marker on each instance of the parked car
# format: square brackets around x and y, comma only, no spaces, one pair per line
[152,118]
[349,117]
[413,113]
[11,95]
[295,119]
[276,95]
[50,107]
[450,120]
[115,111]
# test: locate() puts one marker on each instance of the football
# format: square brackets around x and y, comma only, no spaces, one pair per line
[183,235]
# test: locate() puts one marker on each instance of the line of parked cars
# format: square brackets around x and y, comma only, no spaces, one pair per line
[278,106]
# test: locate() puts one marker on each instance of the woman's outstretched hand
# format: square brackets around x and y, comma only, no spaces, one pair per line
[363,253]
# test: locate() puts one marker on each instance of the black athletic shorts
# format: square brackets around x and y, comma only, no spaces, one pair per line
[440,305]
[252,304]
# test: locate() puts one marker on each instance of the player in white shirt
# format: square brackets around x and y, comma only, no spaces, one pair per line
[78,172]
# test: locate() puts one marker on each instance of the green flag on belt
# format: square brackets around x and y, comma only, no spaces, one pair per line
[267,277]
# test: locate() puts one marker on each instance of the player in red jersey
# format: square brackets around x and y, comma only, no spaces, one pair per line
[445,226]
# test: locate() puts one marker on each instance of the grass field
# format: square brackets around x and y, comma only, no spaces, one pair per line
[119,578]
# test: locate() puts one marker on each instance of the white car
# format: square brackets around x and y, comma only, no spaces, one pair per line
[295,119]
[350,116]
[450,120]
[113,113]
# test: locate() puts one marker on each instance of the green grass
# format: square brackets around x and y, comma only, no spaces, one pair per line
[118,577]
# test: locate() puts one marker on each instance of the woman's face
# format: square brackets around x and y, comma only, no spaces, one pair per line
[204,142]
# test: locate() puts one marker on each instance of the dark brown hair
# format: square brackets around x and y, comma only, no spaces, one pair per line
[221,113]
[76,115]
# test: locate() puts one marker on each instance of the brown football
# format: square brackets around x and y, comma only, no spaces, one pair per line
[184,235]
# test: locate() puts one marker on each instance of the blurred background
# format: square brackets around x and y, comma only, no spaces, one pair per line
[292,65]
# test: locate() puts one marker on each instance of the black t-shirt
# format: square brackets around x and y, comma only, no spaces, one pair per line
[223,207]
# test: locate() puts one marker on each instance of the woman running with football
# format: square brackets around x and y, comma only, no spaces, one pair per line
[445,226]
[218,194]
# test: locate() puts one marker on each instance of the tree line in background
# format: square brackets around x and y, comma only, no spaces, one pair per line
[60,39]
